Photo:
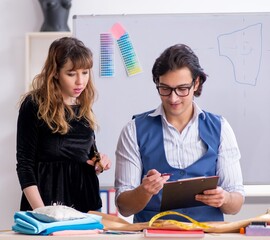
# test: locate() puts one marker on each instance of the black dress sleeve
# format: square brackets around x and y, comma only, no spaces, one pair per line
[27,140]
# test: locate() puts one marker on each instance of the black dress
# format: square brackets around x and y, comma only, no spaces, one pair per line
[56,163]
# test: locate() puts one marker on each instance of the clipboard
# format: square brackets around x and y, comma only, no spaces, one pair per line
[181,193]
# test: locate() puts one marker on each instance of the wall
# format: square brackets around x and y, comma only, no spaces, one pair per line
[19,17]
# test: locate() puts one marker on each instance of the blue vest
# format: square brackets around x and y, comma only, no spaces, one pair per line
[151,145]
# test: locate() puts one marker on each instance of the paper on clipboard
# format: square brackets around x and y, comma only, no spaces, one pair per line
[181,193]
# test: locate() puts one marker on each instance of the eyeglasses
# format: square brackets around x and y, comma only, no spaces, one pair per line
[180,91]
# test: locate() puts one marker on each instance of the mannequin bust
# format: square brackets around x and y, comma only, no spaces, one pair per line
[55,15]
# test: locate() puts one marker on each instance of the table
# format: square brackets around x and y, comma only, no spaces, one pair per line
[10,235]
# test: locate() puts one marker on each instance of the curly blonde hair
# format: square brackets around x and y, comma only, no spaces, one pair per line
[46,88]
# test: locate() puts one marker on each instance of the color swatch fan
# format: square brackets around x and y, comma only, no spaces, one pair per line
[106,55]
[126,48]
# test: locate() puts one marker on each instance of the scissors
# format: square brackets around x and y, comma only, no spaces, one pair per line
[97,156]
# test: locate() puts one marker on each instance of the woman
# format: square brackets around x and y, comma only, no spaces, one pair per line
[57,161]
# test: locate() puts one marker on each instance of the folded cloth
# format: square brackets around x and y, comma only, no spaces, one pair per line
[26,223]
[76,232]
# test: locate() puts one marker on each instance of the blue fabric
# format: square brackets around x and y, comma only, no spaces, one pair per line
[27,224]
[151,144]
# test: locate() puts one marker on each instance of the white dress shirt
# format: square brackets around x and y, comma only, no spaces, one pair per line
[182,150]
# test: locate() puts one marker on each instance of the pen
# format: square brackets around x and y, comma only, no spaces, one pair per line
[163,174]
[166,174]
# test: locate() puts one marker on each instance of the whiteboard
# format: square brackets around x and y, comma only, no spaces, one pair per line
[234,50]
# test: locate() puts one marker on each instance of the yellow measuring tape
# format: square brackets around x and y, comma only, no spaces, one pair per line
[183,225]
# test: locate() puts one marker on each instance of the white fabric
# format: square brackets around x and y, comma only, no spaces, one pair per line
[56,213]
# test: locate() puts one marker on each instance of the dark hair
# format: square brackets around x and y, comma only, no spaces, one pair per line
[177,57]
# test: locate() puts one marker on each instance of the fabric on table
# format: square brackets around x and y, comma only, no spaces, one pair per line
[76,232]
[56,213]
[26,223]
[116,223]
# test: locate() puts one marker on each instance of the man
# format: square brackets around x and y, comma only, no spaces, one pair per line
[178,138]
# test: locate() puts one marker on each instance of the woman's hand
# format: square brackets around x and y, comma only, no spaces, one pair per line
[104,163]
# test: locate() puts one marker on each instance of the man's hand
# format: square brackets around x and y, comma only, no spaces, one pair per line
[153,182]
[214,197]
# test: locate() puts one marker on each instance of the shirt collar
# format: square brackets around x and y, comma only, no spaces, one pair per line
[160,111]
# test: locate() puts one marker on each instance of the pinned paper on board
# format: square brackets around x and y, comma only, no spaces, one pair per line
[127,50]
[107,66]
